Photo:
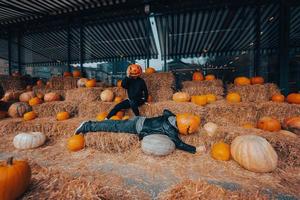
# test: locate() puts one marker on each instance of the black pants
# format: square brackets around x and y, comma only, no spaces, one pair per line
[125,126]
[133,104]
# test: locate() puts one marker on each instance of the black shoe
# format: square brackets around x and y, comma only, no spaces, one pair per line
[83,128]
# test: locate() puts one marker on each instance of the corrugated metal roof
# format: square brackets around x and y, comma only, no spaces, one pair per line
[295,27]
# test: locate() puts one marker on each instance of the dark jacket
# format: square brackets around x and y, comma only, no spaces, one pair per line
[1,91]
[136,88]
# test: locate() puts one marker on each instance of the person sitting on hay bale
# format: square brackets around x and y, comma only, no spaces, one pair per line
[141,126]
[136,89]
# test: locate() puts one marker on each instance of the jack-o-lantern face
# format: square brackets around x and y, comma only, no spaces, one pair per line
[187,123]
[134,70]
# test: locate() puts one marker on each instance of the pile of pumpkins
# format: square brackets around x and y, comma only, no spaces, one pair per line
[200,100]
[198,76]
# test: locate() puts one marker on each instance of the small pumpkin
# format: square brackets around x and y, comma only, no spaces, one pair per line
[52,96]
[158,145]
[76,142]
[211,98]
[254,153]
[198,76]
[126,117]
[62,116]
[107,95]
[242,80]
[200,100]
[67,74]
[181,97]
[120,114]
[257,80]
[115,117]
[187,123]
[91,83]
[233,97]
[293,98]
[269,124]
[29,140]
[278,98]
[35,101]
[18,109]
[26,96]
[40,83]
[3,114]
[101,116]
[81,82]
[29,116]
[292,124]
[76,73]
[210,128]
[150,70]
[118,99]
[220,151]
[15,178]
[119,83]
[210,77]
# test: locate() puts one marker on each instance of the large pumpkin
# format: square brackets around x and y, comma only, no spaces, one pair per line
[211,98]
[278,98]
[233,97]
[187,123]
[3,114]
[102,116]
[62,116]
[107,95]
[29,140]
[26,96]
[198,76]
[242,80]
[35,101]
[76,73]
[220,151]
[292,124]
[29,116]
[254,153]
[81,82]
[200,100]
[269,124]
[15,178]
[134,70]
[210,77]
[52,96]
[181,97]
[294,98]
[257,80]
[91,83]
[158,145]
[18,109]
[76,143]
[150,70]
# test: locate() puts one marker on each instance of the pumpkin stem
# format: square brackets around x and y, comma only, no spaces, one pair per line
[10,160]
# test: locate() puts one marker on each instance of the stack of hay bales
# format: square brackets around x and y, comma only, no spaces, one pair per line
[92,109]
[204,87]
[63,83]
[12,83]
[84,94]
[50,109]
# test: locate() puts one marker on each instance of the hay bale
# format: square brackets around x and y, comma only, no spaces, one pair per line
[50,109]
[12,83]
[203,87]
[160,85]
[84,94]
[273,89]
[63,83]
[44,90]
[112,142]
[118,91]
[92,109]
[8,125]
[279,111]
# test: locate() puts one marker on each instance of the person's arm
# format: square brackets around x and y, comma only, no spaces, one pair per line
[125,82]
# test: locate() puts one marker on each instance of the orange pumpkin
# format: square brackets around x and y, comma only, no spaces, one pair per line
[278,98]
[200,100]
[294,98]
[52,96]
[220,151]
[3,114]
[233,97]
[67,74]
[102,116]
[29,116]
[187,123]
[26,96]
[198,76]
[35,101]
[62,116]
[181,97]
[119,83]
[39,83]
[292,124]
[257,80]
[134,70]
[150,70]
[118,99]
[242,80]
[76,73]
[269,124]
[126,117]
[90,83]
[120,114]
[15,178]
[149,99]
[76,143]
[115,117]
[210,77]
[211,98]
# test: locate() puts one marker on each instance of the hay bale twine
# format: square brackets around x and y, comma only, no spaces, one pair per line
[158,145]
[107,95]
[26,96]
[18,109]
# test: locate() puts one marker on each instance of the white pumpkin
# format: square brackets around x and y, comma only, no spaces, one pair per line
[158,145]
[254,153]
[29,140]
[107,95]
[210,128]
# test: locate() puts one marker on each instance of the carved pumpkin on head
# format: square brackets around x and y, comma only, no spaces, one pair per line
[187,123]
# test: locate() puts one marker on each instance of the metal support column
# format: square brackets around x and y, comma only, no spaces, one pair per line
[9,53]
[69,48]
[165,43]
[257,41]
[19,52]
[284,47]
[81,42]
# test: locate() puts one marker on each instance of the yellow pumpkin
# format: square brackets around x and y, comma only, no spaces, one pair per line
[278,98]
[62,116]
[102,116]
[76,73]
[126,117]
[220,151]
[118,99]
[150,70]
[76,143]
[29,116]
[181,97]
[35,101]
[187,123]
[198,76]
[15,178]
[211,98]
[115,117]
[293,98]
[257,80]
[242,81]
[210,77]
[200,100]
[233,97]
[90,83]
[269,124]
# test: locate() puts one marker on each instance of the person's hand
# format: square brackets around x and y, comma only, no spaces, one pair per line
[127,73]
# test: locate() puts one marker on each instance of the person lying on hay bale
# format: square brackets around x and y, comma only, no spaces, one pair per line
[136,89]
[165,124]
